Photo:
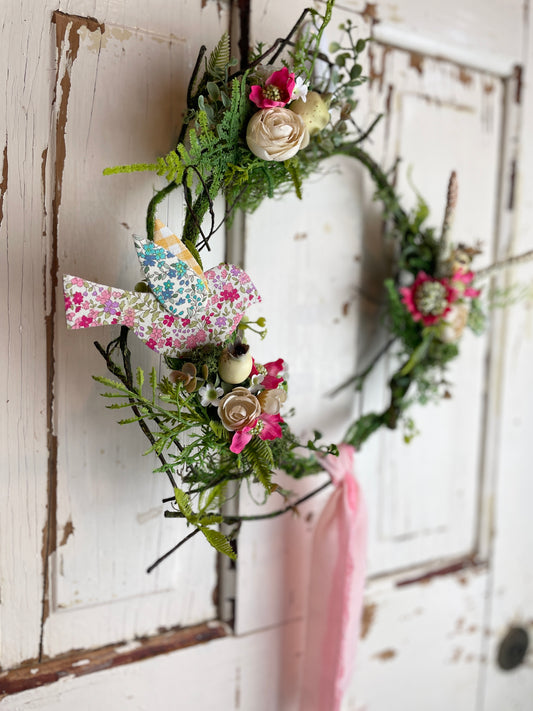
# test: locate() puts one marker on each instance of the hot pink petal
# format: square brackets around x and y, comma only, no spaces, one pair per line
[472,293]
[275,367]
[271,426]
[240,439]
[284,80]
[270,382]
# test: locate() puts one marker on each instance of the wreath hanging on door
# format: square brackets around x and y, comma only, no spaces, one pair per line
[217,416]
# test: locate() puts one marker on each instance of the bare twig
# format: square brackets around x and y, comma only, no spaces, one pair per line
[172,550]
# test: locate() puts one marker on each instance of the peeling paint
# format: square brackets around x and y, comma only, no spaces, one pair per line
[68,530]
[367,620]
[44,156]
[456,655]
[518,76]
[32,675]
[67,36]
[3,184]
[416,61]
[470,563]
[465,77]
[375,73]
[150,515]
[370,12]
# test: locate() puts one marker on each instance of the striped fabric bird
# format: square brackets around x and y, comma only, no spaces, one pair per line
[184,308]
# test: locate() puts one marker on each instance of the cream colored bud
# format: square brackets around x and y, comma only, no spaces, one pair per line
[314,111]
[235,367]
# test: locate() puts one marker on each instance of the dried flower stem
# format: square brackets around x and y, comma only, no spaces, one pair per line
[505,263]
[449,211]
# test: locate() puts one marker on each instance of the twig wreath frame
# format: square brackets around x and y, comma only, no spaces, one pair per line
[249,134]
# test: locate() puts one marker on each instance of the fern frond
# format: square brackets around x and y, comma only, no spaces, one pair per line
[219,542]
[259,456]
[219,57]
[133,168]
[184,505]
[293,169]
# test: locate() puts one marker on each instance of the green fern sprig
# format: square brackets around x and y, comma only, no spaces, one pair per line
[259,455]
[219,57]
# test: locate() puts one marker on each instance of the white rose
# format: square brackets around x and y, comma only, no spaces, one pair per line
[454,324]
[272,400]
[238,409]
[276,134]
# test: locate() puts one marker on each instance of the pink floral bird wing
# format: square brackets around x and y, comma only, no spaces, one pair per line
[231,292]
[176,280]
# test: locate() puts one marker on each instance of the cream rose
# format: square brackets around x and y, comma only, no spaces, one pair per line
[238,408]
[272,400]
[454,324]
[276,134]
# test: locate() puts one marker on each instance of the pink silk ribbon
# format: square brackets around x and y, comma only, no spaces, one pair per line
[337,581]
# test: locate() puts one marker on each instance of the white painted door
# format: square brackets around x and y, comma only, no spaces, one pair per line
[81,518]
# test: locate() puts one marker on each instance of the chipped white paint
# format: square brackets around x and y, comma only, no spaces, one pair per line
[420,637]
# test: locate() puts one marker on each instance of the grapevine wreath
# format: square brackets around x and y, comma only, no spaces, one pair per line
[216,417]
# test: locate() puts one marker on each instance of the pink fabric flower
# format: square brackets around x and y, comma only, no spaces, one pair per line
[464,279]
[270,381]
[265,427]
[128,317]
[428,299]
[104,296]
[276,92]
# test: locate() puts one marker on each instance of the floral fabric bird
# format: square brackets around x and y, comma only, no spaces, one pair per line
[185,308]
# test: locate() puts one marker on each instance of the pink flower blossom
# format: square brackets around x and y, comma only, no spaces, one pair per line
[276,92]
[428,299]
[270,381]
[265,427]
[78,281]
[465,279]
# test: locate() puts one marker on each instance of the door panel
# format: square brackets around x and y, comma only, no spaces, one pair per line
[427,625]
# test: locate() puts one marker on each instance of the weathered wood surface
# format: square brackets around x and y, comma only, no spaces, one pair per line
[82,514]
